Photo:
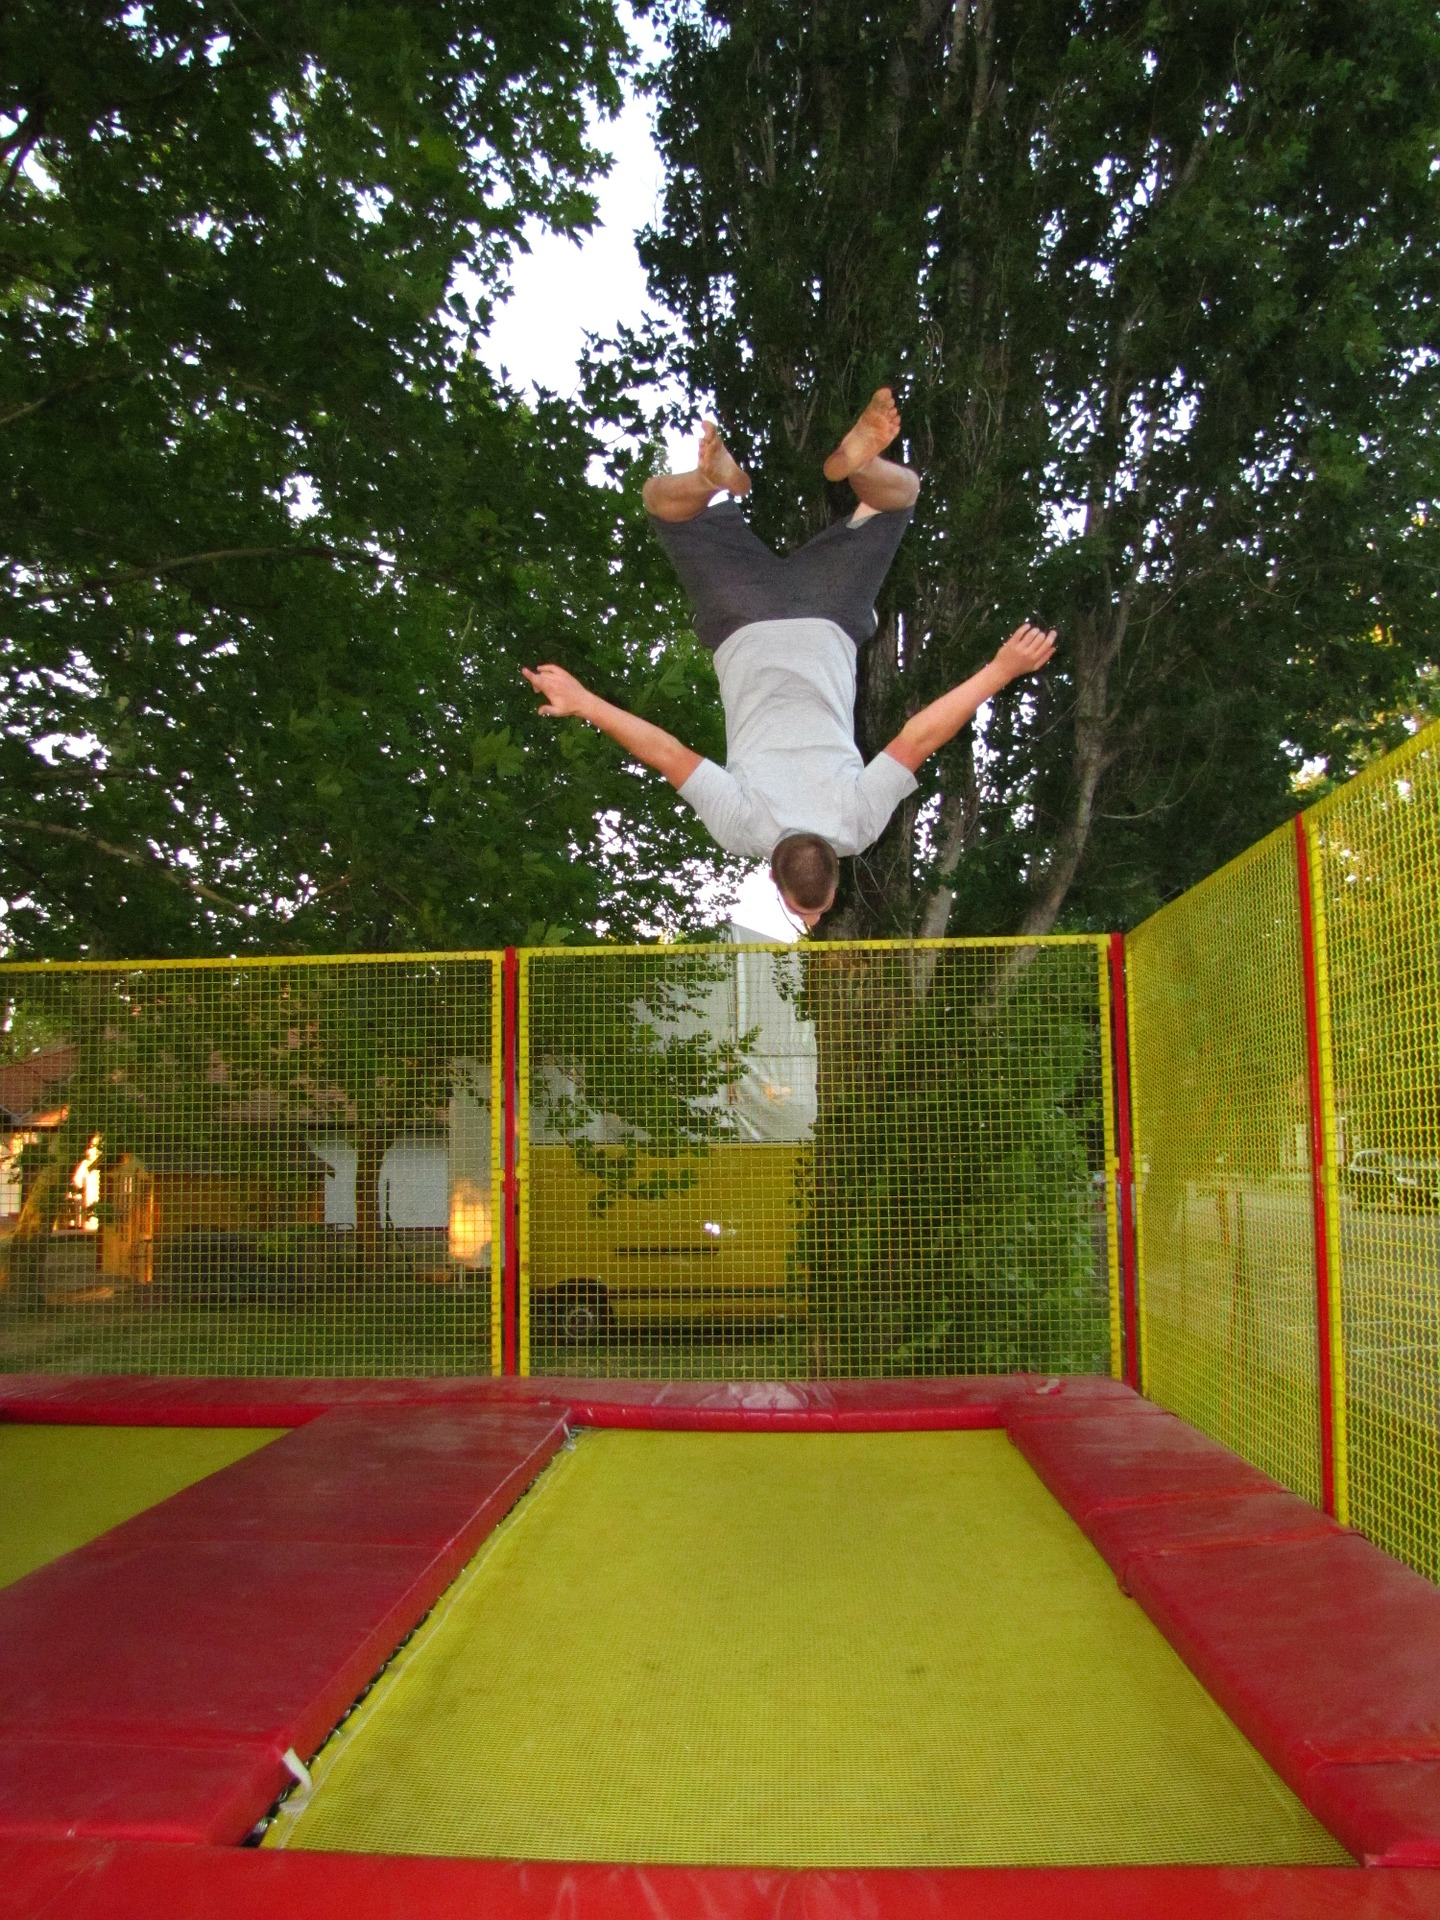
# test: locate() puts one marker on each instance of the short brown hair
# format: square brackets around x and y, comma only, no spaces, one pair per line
[806,869]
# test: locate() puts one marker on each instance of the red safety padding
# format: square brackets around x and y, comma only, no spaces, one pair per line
[249,1611]
[1321,1650]
[227,1640]
[134,1882]
[35,1873]
[817,1406]
[433,1477]
[1387,1815]
[789,1406]
[914,1419]
[135,1401]
[842,1406]
[1075,1397]
[86,1881]
[110,1790]
[1131,1460]
[1210,1520]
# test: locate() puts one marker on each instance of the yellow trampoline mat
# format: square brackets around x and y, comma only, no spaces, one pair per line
[828,1650]
[62,1486]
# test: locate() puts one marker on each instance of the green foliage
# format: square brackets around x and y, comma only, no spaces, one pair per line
[956,1223]
[276,543]
[207,1070]
[635,1056]
[1156,285]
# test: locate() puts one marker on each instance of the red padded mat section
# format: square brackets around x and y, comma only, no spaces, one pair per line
[127,1400]
[1386,1815]
[1210,1520]
[378,1476]
[120,1790]
[1322,1649]
[226,1639]
[244,1615]
[93,1882]
[1091,1463]
[839,1406]
[34,1873]
[134,1400]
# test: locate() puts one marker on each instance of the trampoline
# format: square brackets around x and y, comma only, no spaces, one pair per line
[624,1648]
[827,1650]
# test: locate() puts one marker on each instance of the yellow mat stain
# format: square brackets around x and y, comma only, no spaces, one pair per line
[62,1486]
[827,1650]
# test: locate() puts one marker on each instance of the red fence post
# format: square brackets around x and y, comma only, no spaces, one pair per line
[1319,1201]
[510,1194]
[1124,1150]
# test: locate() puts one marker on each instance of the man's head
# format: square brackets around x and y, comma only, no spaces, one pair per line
[806,869]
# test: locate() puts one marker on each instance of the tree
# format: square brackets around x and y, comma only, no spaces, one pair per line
[1158,286]
[951,1220]
[276,543]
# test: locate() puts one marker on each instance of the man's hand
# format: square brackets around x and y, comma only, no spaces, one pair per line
[563,694]
[561,691]
[1026,651]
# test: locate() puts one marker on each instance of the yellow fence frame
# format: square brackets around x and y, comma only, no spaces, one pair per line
[492,956]
[1345,852]
[1099,943]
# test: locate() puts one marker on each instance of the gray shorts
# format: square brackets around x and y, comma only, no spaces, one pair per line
[732,579]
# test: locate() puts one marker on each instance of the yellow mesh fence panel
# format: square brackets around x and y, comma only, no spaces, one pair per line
[1376,865]
[250,1167]
[867,1159]
[818,1650]
[1224,1223]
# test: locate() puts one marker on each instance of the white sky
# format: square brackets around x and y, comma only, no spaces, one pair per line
[562,290]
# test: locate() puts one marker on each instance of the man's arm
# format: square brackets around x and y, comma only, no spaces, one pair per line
[1026,651]
[564,694]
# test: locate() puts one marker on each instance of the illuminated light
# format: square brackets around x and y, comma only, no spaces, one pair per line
[86,1182]
[470,1227]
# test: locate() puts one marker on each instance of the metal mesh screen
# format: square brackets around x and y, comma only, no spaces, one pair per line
[250,1168]
[845,1159]
[1224,1222]
[1375,855]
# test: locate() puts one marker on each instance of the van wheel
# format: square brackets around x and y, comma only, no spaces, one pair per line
[574,1315]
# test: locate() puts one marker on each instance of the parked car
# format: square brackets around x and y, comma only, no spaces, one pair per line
[718,1247]
[1379,1178]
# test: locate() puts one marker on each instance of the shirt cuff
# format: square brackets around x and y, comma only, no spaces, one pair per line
[889,780]
[702,782]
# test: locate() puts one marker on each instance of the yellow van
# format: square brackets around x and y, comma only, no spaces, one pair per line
[720,1248]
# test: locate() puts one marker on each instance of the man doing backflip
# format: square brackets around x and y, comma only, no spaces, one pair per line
[784,633]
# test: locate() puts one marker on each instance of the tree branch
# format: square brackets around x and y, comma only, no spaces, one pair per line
[48,399]
[148,862]
[159,568]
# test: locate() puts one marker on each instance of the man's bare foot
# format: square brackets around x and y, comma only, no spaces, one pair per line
[877,426]
[718,464]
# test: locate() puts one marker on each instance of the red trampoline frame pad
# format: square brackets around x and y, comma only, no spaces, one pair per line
[125,1789]
[760,1406]
[1323,1650]
[87,1880]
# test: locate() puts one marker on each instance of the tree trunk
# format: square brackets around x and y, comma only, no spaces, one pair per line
[1092,659]
[30,1241]
[371,1232]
